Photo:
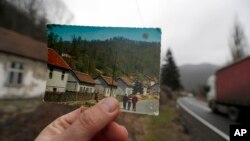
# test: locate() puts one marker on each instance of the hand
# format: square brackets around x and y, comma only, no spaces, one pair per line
[93,124]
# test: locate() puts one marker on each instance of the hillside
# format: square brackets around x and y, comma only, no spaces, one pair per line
[193,76]
[130,57]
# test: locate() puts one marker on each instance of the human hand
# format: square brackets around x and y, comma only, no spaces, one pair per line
[93,124]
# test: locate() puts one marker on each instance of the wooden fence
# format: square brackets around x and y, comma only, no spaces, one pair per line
[70,96]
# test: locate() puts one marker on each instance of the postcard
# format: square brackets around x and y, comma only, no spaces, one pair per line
[88,63]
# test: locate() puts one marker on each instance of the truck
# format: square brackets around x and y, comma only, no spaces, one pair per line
[229,90]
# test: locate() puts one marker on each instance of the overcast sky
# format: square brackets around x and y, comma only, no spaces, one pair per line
[197,31]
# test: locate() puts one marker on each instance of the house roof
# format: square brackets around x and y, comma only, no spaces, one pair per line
[126,81]
[154,85]
[99,71]
[17,44]
[150,78]
[55,59]
[84,77]
[108,80]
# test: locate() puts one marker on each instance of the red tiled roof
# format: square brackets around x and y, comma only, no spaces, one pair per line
[17,44]
[55,59]
[84,77]
[108,80]
[150,78]
[126,81]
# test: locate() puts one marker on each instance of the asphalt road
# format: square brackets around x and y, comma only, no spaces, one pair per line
[218,123]
[148,106]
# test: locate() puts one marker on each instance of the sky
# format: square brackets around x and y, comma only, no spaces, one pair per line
[102,33]
[197,31]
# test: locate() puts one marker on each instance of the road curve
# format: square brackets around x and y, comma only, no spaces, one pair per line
[199,110]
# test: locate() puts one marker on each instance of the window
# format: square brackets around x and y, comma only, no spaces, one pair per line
[50,73]
[62,77]
[127,91]
[90,90]
[54,89]
[15,74]
[82,89]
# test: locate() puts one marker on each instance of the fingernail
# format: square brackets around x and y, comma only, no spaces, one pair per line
[109,105]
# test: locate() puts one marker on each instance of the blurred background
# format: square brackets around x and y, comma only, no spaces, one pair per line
[199,39]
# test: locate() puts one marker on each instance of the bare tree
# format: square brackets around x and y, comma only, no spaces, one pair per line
[54,11]
[238,43]
[29,17]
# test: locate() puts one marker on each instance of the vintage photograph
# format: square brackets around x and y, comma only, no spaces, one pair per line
[87,64]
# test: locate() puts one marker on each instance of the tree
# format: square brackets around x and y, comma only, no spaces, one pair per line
[29,17]
[75,47]
[137,88]
[170,74]
[54,11]
[52,40]
[60,46]
[238,42]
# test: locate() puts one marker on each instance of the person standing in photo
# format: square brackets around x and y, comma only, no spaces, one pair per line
[124,101]
[134,101]
[96,97]
[129,102]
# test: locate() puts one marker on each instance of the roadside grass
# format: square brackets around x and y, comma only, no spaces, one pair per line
[166,116]
[164,127]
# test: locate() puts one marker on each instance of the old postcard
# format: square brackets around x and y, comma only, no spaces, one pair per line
[87,64]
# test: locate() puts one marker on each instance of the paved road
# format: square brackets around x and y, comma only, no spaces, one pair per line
[148,106]
[218,123]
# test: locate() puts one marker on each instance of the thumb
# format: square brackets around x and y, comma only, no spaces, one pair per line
[93,120]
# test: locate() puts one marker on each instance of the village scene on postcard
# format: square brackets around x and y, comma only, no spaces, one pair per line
[87,64]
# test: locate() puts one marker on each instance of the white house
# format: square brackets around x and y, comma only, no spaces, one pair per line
[125,86]
[145,89]
[105,85]
[23,66]
[148,80]
[57,73]
[154,88]
[80,82]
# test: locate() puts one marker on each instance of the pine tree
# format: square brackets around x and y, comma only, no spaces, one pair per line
[75,47]
[170,74]
[137,88]
[52,40]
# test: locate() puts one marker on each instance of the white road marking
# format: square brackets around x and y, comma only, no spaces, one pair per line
[201,105]
[216,130]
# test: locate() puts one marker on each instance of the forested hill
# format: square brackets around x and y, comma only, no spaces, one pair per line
[130,56]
